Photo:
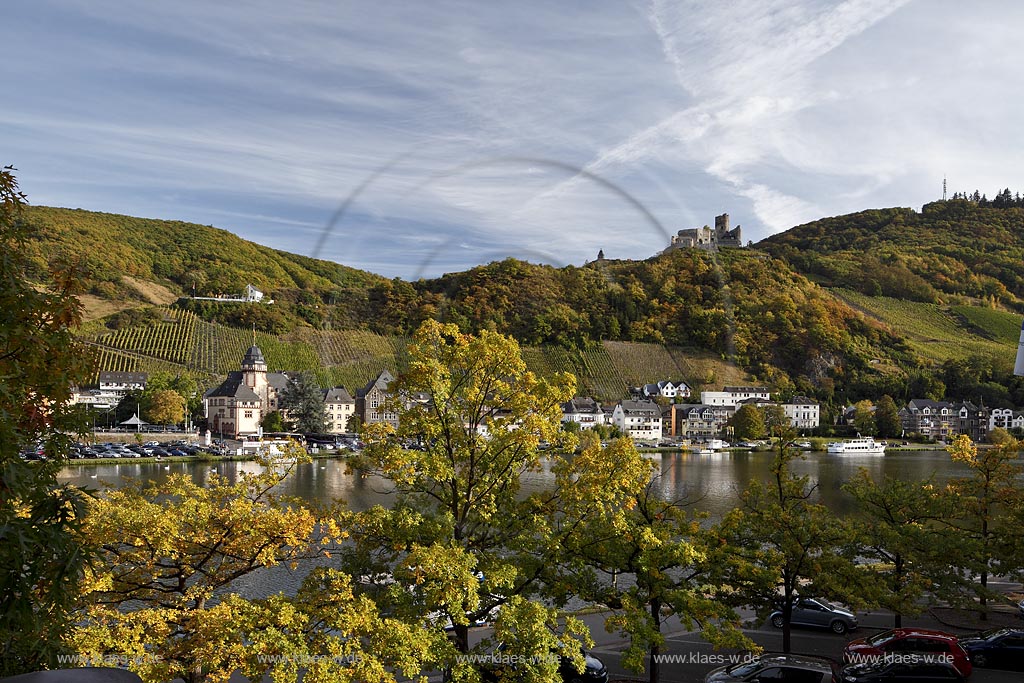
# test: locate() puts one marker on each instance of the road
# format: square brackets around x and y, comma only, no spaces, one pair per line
[697,657]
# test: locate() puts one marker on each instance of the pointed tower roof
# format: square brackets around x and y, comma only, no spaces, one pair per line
[253,357]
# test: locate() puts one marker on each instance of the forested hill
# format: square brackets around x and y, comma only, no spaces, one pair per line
[179,257]
[826,309]
[956,248]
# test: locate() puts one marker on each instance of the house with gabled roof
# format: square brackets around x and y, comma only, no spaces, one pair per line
[584,411]
[339,407]
[640,420]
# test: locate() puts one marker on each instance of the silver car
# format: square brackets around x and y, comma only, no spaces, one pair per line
[820,613]
[777,667]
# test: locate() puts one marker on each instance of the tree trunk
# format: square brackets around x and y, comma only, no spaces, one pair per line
[461,633]
[654,663]
[787,629]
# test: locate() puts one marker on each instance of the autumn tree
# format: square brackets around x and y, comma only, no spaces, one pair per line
[984,504]
[796,544]
[304,404]
[895,524]
[673,565]
[461,531]
[887,418]
[162,592]
[166,407]
[748,423]
[42,553]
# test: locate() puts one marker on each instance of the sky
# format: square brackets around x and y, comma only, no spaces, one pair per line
[412,139]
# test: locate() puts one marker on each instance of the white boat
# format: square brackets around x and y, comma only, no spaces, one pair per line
[860,446]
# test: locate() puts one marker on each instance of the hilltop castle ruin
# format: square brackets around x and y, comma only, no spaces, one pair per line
[706,238]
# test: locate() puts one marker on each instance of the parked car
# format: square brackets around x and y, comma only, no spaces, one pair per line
[818,613]
[1001,648]
[594,670]
[903,641]
[902,670]
[777,667]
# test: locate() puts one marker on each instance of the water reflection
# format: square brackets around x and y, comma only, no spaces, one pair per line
[713,482]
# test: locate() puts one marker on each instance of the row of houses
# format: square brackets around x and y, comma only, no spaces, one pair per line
[236,408]
[646,420]
[943,420]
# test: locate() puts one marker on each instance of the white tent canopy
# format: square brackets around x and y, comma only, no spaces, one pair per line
[134,421]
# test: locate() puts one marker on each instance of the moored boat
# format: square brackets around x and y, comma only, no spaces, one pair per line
[859,446]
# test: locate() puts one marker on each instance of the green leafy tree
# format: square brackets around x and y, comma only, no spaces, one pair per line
[304,404]
[795,544]
[461,533]
[272,422]
[776,422]
[984,505]
[748,423]
[887,418]
[42,552]
[896,526]
[680,568]
[864,417]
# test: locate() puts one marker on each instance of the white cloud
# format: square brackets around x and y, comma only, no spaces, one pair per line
[266,118]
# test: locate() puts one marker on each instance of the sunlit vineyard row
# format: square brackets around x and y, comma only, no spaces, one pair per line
[351,358]
[932,332]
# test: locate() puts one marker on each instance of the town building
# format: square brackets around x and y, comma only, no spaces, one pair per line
[694,421]
[120,383]
[803,412]
[942,420]
[640,420]
[339,407]
[371,399]
[236,408]
[1005,418]
[664,389]
[584,411]
[733,396]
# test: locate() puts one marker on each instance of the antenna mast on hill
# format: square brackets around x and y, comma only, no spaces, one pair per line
[943,187]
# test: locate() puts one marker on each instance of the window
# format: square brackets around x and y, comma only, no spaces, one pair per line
[248,414]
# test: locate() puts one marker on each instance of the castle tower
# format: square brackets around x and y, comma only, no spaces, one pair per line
[254,372]
[721,226]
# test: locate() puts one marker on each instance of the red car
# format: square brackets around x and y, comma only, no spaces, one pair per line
[898,643]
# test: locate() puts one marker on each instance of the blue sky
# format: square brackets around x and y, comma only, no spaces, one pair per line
[429,137]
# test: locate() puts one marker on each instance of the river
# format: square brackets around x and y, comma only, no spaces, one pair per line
[713,482]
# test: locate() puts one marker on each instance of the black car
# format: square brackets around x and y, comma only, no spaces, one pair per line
[905,669]
[594,670]
[1002,648]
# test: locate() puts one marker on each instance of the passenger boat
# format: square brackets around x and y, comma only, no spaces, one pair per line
[860,446]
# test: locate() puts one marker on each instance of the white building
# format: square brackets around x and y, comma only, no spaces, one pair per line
[339,407]
[584,411]
[252,294]
[666,389]
[732,396]
[122,382]
[1005,418]
[803,412]
[640,420]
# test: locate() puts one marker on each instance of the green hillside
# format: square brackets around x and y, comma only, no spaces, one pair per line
[179,342]
[950,249]
[841,308]
[122,259]
[940,333]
